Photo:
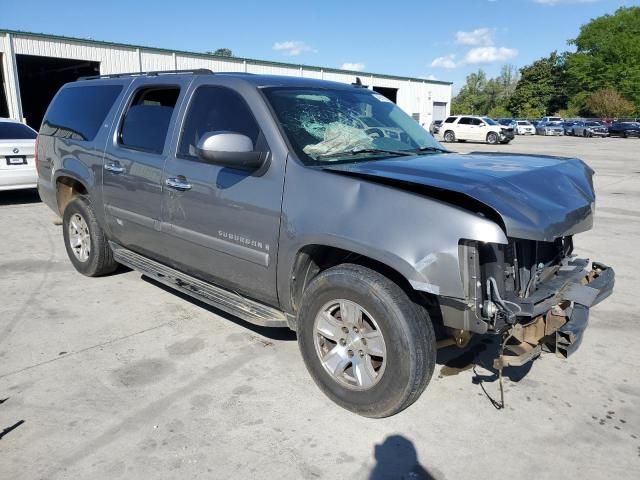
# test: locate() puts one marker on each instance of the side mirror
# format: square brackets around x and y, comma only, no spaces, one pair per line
[230,149]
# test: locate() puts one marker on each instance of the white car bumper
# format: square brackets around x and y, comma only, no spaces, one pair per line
[18,179]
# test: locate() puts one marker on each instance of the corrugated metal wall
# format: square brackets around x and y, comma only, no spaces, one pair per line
[413,96]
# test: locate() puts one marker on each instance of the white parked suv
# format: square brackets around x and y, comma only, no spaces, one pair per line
[476,129]
[523,127]
[17,161]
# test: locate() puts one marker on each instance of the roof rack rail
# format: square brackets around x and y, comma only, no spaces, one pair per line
[195,71]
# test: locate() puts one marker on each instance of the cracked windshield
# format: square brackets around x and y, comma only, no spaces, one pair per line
[339,125]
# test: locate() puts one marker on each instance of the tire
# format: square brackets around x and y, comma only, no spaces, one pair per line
[84,239]
[625,135]
[584,133]
[395,379]
[449,136]
[492,138]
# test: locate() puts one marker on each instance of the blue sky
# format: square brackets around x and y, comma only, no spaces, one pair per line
[443,39]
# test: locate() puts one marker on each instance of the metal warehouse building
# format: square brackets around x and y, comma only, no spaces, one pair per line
[35,66]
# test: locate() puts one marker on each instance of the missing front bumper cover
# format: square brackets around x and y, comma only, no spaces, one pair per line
[561,328]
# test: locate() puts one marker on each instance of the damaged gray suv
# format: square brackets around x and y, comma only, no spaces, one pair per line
[322,207]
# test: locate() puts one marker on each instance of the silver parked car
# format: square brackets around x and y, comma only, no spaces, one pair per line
[590,129]
[550,128]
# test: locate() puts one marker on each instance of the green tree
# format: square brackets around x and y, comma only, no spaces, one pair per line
[607,55]
[470,100]
[541,88]
[608,103]
[221,52]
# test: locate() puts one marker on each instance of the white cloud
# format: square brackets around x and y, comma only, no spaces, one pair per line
[489,55]
[448,61]
[559,2]
[479,36]
[292,48]
[358,67]
[431,77]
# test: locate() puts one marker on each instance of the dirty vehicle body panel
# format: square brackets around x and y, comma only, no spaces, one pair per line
[486,238]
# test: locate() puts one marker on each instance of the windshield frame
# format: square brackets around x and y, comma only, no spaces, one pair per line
[434,147]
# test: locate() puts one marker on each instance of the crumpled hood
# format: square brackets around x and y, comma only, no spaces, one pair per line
[537,197]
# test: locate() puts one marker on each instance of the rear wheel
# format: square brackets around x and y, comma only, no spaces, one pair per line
[84,239]
[365,343]
[449,136]
[492,138]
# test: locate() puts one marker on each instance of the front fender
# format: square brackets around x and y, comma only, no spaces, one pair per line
[415,235]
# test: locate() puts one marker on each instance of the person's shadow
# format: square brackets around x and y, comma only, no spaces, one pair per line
[396,458]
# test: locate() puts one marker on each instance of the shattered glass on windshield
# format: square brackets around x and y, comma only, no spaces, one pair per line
[322,124]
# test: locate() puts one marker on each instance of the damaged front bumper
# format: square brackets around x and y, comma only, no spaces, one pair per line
[558,313]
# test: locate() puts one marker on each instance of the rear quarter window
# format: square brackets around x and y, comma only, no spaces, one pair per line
[78,112]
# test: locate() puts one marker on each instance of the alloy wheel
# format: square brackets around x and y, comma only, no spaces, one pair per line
[349,344]
[79,237]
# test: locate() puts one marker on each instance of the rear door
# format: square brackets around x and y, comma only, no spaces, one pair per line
[134,159]
[224,227]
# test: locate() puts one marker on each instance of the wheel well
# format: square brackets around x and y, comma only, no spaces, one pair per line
[313,259]
[66,189]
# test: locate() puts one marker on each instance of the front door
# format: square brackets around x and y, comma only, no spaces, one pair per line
[463,129]
[134,160]
[222,223]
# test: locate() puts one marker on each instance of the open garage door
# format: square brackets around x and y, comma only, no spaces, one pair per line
[4,105]
[41,77]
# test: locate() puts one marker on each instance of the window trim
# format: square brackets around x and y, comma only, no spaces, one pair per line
[127,107]
[117,101]
[187,110]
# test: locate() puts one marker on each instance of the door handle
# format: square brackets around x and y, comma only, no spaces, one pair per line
[114,167]
[178,183]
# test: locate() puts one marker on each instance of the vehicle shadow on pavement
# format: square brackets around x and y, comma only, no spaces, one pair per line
[481,352]
[396,457]
[272,333]
[19,197]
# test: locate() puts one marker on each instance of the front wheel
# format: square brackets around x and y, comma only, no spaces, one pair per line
[84,239]
[492,138]
[367,346]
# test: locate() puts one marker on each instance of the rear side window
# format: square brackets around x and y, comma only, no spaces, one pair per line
[78,112]
[450,120]
[215,109]
[16,131]
[146,123]
[465,121]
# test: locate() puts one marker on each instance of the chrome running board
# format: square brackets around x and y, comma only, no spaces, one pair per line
[230,302]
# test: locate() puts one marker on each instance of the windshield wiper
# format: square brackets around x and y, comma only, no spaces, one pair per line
[358,151]
[432,149]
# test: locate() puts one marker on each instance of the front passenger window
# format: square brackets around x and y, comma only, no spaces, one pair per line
[216,109]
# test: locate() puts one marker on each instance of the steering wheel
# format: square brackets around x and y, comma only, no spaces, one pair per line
[374,132]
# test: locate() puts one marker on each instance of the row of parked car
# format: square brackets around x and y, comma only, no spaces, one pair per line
[579,128]
[503,130]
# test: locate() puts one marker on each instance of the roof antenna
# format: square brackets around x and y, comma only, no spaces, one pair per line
[358,83]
